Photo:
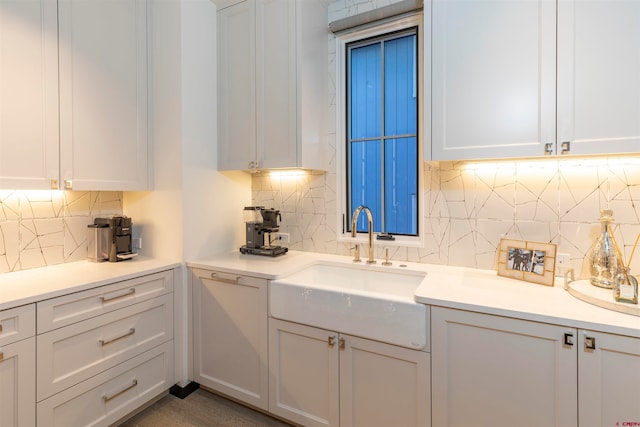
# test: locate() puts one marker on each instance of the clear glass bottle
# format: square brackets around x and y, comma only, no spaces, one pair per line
[625,288]
[605,262]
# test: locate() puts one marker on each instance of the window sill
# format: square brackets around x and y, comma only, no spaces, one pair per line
[400,241]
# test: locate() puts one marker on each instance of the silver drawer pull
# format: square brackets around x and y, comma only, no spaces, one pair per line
[119,337]
[1,356]
[235,281]
[589,343]
[108,397]
[126,294]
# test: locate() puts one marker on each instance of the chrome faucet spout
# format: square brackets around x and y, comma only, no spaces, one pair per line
[354,220]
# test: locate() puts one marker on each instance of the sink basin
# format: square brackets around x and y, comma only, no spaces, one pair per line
[363,300]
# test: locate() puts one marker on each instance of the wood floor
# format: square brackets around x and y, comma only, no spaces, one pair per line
[200,409]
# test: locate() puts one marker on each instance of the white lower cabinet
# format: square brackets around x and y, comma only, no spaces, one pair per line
[18,366]
[608,379]
[107,397]
[324,378]
[230,335]
[104,352]
[496,371]
[18,384]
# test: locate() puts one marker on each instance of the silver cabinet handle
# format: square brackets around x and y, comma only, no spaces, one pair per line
[565,147]
[342,344]
[548,149]
[131,331]
[107,397]
[568,339]
[589,343]
[235,281]
[131,291]
[331,341]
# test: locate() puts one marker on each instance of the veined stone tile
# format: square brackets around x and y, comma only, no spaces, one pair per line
[75,238]
[9,245]
[9,205]
[78,203]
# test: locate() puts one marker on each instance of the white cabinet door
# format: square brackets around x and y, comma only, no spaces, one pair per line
[272,85]
[303,374]
[230,335]
[29,157]
[383,385]
[103,94]
[495,371]
[237,86]
[276,89]
[598,76]
[608,378]
[493,78]
[18,384]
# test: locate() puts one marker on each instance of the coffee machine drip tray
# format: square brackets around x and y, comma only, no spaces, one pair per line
[264,250]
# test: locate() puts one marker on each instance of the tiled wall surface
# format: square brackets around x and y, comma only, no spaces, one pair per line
[470,206]
[40,228]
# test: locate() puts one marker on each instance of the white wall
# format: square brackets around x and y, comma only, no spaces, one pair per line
[193,211]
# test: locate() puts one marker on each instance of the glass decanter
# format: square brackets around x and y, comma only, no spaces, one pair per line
[625,287]
[605,262]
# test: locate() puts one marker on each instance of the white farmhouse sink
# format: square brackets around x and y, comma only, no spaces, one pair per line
[363,300]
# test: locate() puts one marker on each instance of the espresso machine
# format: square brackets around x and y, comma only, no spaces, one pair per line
[110,239]
[260,223]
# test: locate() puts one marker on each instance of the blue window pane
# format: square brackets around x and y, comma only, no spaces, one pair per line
[366,181]
[400,86]
[366,91]
[401,186]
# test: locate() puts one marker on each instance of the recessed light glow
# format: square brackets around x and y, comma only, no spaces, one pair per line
[288,173]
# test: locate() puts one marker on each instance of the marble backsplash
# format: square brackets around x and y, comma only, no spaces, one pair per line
[470,206]
[41,228]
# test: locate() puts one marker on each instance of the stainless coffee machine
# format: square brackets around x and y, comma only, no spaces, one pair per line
[260,222]
[109,239]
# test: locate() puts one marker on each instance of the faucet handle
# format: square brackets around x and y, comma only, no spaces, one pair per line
[356,254]
[386,258]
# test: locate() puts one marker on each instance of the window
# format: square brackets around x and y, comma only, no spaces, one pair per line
[382,156]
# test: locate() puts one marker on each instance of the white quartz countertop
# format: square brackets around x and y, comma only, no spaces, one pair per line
[28,286]
[486,292]
[456,287]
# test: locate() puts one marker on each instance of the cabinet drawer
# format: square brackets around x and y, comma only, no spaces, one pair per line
[17,324]
[107,397]
[74,353]
[72,308]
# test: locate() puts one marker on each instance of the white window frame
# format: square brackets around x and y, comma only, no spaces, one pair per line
[342,40]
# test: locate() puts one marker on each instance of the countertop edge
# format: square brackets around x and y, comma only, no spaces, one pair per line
[39,284]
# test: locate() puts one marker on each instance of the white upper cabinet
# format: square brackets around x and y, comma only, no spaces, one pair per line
[494,78]
[28,94]
[73,94]
[493,87]
[272,84]
[103,94]
[599,76]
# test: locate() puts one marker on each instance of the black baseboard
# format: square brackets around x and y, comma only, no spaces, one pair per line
[182,392]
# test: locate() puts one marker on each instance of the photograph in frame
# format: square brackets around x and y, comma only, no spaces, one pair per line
[529,261]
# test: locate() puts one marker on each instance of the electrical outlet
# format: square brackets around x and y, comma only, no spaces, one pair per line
[562,262]
[136,243]
[283,237]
